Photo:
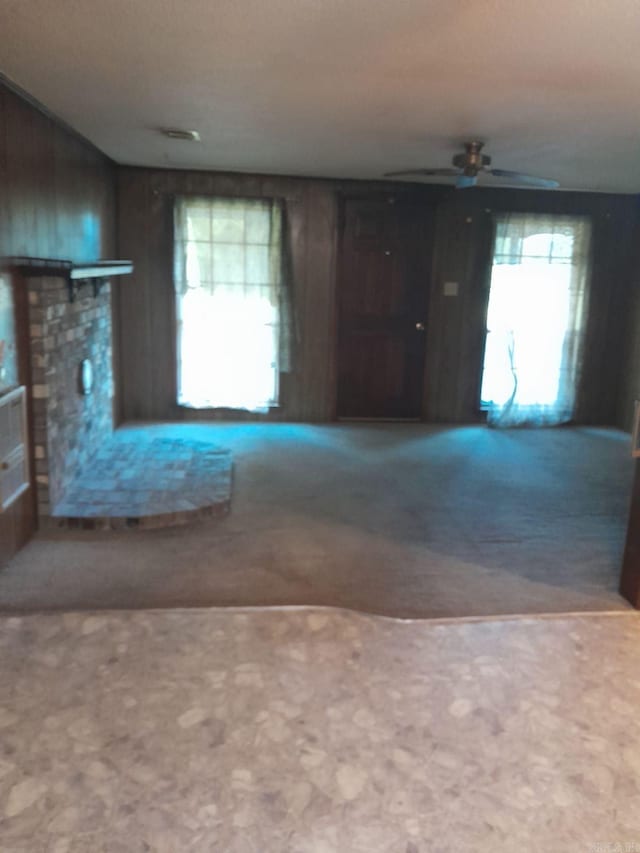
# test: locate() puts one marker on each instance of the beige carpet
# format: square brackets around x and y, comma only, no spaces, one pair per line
[407,520]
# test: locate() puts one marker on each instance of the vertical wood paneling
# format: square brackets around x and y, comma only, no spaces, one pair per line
[629,309]
[57,192]
[291,388]
[456,328]
[57,200]
[146,308]
[456,325]
[134,341]
[4,179]
[160,303]
[630,576]
[318,320]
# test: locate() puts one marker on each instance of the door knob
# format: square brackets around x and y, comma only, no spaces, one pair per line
[420,327]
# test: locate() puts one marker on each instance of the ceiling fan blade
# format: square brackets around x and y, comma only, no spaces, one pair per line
[465,181]
[445,173]
[518,178]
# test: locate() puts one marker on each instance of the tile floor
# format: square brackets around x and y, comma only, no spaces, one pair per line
[318,731]
[148,481]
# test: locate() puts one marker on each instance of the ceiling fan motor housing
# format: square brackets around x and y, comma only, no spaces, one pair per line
[473,160]
[470,165]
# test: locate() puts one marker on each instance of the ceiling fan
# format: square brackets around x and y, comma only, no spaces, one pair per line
[472,163]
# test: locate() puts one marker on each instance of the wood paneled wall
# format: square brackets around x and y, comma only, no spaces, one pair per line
[57,200]
[629,384]
[455,332]
[57,192]
[146,302]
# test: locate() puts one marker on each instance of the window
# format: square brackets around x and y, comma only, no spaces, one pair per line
[228,277]
[536,319]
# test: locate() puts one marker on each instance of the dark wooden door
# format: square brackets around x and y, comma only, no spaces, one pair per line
[383,286]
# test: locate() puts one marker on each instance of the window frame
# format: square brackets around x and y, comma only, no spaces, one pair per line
[277,202]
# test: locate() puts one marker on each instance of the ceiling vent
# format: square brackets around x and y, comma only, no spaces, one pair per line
[185,135]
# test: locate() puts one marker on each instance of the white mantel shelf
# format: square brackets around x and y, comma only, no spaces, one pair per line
[100,269]
[77,275]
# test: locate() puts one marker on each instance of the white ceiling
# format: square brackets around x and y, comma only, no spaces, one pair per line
[341,88]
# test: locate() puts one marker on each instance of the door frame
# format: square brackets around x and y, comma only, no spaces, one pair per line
[424,197]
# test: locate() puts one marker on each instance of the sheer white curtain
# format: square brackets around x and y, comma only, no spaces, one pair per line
[536,319]
[228,278]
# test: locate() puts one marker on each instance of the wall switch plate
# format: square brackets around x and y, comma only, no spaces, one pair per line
[450,288]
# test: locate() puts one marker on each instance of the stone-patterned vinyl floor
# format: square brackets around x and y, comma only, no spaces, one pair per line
[146,481]
[318,731]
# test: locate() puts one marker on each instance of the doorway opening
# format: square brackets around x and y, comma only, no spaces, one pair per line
[536,319]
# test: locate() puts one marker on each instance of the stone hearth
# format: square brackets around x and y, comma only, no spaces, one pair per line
[141,481]
[87,475]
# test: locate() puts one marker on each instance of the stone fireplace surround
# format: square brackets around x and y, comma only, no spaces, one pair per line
[85,473]
[68,426]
